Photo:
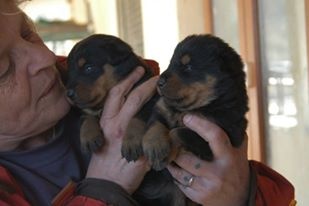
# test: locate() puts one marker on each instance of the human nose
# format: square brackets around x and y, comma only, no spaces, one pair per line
[36,55]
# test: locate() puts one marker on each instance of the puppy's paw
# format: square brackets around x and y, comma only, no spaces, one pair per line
[157,152]
[91,135]
[131,150]
[91,144]
[159,164]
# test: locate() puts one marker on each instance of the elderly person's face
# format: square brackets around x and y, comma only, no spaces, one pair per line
[31,96]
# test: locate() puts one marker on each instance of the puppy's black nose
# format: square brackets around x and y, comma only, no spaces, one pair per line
[162,81]
[71,93]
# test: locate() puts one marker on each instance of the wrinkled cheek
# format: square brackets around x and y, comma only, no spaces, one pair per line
[11,120]
[14,112]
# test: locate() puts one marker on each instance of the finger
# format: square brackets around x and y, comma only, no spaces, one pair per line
[181,176]
[189,192]
[137,99]
[191,163]
[197,191]
[116,95]
[210,132]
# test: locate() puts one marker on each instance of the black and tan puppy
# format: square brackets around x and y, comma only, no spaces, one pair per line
[95,65]
[205,77]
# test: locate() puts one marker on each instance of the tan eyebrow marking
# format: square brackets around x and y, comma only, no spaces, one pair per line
[81,62]
[185,59]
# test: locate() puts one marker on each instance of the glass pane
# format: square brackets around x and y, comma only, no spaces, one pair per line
[285,81]
[226,21]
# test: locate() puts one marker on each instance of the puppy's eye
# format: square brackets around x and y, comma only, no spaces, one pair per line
[89,69]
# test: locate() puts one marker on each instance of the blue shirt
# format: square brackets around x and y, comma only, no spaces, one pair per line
[42,172]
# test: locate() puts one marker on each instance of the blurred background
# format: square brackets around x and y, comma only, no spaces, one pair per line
[271,36]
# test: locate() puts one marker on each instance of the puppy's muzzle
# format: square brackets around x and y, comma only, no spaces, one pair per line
[71,94]
[162,82]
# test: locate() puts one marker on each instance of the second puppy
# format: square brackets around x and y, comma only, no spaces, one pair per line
[95,65]
[205,77]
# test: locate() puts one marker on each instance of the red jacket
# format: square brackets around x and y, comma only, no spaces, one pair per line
[268,188]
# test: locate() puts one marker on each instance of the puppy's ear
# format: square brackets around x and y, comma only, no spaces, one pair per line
[119,51]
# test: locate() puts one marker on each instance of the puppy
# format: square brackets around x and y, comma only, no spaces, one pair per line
[205,77]
[95,65]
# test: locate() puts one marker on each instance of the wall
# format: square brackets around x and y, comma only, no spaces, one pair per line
[191,17]
[165,23]
[104,16]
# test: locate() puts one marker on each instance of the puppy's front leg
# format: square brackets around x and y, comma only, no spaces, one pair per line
[156,145]
[91,136]
[132,143]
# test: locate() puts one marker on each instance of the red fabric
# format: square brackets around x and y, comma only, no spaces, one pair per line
[153,65]
[62,61]
[272,188]
[84,201]
[10,192]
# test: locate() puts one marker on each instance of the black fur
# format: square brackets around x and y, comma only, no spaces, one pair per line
[205,76]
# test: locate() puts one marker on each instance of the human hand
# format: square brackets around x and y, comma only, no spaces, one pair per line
[120,106]
[221,182]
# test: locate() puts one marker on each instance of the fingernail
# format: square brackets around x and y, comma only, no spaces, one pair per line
[187,119]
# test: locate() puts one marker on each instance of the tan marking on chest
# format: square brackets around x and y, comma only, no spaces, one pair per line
[174,118]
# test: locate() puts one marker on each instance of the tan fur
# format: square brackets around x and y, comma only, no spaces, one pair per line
[91,132]
[132,143]
[190,96]
[81,62]
[173,118]
[158,146]
[185,59]
[95,95]
[198,94]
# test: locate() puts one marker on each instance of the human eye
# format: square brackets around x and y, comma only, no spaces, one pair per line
[6,68]
[29,34]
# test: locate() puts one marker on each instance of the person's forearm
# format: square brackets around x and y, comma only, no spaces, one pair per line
[94,192]
[106,191]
